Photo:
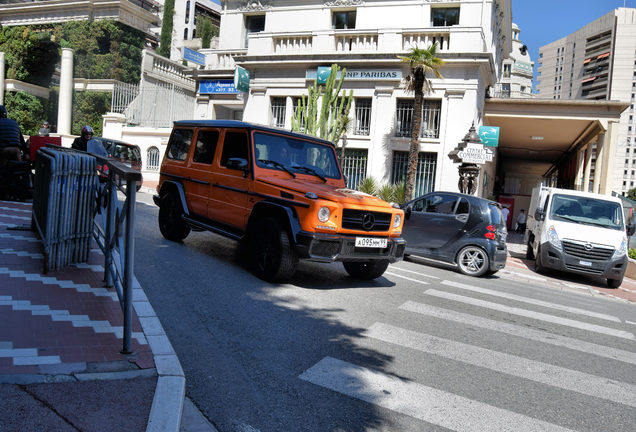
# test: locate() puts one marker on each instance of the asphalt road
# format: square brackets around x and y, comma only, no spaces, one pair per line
[421,349]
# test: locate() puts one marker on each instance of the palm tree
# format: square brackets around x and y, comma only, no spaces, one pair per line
[421,61]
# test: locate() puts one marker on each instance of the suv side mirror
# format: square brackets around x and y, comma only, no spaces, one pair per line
[631,228]
[539,214]
[237,164]
[407,211]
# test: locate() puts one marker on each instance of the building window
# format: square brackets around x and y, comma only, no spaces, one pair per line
[253,24]
[430,118]
[363,116]
[506,70]
[354,166]
[424,175]
[185,33]
[343,20]
[152,159]
[187,12]
[278,111]
[444,17]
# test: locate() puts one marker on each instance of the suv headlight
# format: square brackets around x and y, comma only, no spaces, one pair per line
[622,249]
[397,220]
[553,237]
[323,214]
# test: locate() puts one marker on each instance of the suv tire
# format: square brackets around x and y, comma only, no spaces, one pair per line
[171,225]
[473,261]
[366,270]
[272,256]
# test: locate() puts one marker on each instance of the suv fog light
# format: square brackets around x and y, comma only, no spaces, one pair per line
[323,214]
[397,221]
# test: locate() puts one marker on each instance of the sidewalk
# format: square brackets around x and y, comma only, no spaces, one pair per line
[60,340]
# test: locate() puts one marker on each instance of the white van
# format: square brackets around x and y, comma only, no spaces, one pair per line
[578,232]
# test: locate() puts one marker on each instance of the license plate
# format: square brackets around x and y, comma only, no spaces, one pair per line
[369,242]
[585,263]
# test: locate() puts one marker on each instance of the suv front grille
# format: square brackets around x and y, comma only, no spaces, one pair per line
[365,220]
[592,251]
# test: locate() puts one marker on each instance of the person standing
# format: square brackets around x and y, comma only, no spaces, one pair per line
[521,222]
[505,213]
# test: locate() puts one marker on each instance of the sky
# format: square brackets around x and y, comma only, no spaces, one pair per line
[544,21]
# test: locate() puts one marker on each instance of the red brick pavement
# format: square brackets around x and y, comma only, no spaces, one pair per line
[61,322]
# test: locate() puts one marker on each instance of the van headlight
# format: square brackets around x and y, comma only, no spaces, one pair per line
[622,249]
[553,237]
[397,220]
[323,214]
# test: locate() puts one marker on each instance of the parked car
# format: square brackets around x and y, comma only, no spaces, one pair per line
[281,194]
[460,229]
[128,154]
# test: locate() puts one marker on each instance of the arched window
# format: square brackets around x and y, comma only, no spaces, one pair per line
[187,12]
[185,33]
[152,159]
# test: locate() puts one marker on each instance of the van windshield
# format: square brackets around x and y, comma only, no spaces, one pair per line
[295,155]
[587,211]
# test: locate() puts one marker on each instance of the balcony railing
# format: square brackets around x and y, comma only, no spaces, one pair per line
[292,44]
[356,42]
[221,59]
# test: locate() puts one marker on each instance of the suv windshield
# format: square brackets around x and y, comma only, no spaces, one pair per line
[588,211]
[295,155]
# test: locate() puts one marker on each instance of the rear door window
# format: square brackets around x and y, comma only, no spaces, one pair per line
[234,146]
[179,144]
[206,146]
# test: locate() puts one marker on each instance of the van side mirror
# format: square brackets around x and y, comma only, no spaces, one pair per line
[631,228]
[539,214]
[237,164]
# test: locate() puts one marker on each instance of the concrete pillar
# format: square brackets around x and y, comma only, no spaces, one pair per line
[609,158]
[1,78]
[580,161]
[598,166]
[65,104]
[588,167]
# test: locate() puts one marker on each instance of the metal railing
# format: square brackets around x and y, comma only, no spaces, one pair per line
[67,197]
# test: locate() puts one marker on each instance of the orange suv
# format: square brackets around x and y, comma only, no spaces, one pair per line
[281,194]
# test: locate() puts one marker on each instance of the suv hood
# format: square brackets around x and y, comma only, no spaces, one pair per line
[588,233]
[327,191]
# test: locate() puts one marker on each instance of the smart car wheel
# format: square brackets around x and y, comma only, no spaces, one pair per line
[171,225]
[366,270]
[473,261]
[272,257]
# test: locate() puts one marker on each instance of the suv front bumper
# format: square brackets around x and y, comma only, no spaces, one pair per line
[329,248]
[554,258]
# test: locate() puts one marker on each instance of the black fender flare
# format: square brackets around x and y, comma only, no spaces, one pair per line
[287,214]
[175,187]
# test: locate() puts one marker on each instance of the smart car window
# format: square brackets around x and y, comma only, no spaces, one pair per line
[206,146]
[463,207]
[179,144]
[443,204]
[234,146]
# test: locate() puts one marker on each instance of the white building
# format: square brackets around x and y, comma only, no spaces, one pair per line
[516,77]
[598,62]
[282,43]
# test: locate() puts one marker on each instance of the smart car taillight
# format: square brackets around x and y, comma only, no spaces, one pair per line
[491,232]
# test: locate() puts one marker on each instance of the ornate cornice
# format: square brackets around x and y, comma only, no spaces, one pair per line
[338,3]
[255,5]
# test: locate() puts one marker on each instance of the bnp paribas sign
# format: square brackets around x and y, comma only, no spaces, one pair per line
[359,74]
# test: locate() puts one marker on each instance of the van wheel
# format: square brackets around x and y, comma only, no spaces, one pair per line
[171,225]
[538,263]
[473,261]
[614,283]
[529,252]
[272,256]
[366,270]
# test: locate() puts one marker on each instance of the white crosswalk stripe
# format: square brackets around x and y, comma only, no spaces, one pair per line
[531,314]
[531,301]
[421,402]
[509,364]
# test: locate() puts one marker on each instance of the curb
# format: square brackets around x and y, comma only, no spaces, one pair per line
[167,404]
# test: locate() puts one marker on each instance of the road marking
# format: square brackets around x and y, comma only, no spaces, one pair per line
[531,301]
[537,371]
[524,275]
[421,402]
[411,271]
[630,322]
[533,315]
[523,332]
[407,278]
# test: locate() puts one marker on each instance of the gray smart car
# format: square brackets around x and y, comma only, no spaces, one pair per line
[459,229]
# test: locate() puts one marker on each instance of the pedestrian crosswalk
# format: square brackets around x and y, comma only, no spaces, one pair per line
[590,344]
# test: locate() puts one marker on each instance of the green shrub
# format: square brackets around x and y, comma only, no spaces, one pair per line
[29,111]
[88,109]
[632,253]
[388,192]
